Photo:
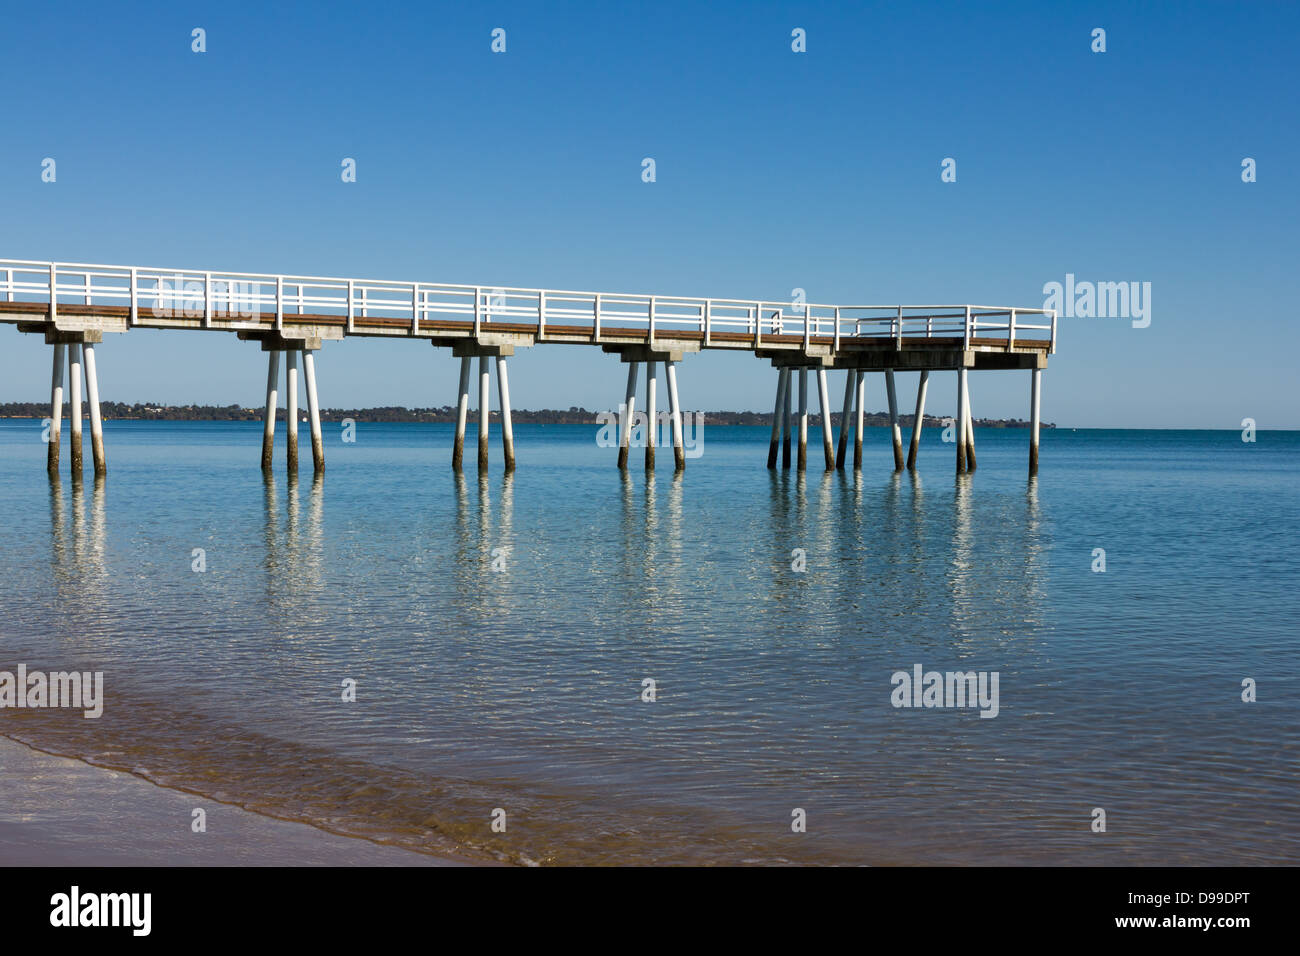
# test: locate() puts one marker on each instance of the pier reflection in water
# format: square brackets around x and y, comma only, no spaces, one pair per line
[294,537]
[78,523]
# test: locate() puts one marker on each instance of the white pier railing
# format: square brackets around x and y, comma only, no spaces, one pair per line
[155,297]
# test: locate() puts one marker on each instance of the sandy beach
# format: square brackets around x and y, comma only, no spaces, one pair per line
[56,811]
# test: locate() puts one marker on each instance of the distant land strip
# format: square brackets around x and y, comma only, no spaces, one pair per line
[145,411]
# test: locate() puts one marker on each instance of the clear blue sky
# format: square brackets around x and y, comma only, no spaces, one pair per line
[775,170]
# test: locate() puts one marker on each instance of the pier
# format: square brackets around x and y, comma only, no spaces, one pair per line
[73,305]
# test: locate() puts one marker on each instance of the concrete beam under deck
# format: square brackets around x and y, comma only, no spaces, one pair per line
[936,360]
[57,336]
[633,352]
[280,342]
[487,346]
[792,359]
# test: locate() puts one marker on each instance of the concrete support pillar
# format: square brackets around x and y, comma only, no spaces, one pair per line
[969,429]
[74,406]
[272,393]
[918,418]
[484,387]
[462,413]
[782,381]
[803,419]
[96,419]
[507,429]
[291,408]
[787,420]
[846,417]
[56,409]
[313,412]
[960,423]
[675,412]
[859,402]
[629,408]
[651,426]
[1035,395]
[895,433]
[824,403]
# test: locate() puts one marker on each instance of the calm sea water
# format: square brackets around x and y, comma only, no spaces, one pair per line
[521,688]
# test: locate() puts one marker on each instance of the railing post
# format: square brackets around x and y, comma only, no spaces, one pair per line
[900,328]
[758,324]
[651,338]
[837,328]
[478,319]
[54,291]
[279,303]
[595,307]
[1052,348]
[807,328]
[965,340]
[541,314]
[88,288]
[207,300]
[352,312]
[415,308]
[9,285]
[708,320]
[1011,331]
[177,295]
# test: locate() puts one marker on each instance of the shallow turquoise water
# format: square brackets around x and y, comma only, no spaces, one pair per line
[521,688]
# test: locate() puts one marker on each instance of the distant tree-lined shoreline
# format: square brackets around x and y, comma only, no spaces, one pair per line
[146,411]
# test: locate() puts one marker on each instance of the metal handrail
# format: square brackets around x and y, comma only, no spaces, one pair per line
[210,297]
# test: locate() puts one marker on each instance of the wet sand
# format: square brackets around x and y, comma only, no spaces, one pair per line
[55,811]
